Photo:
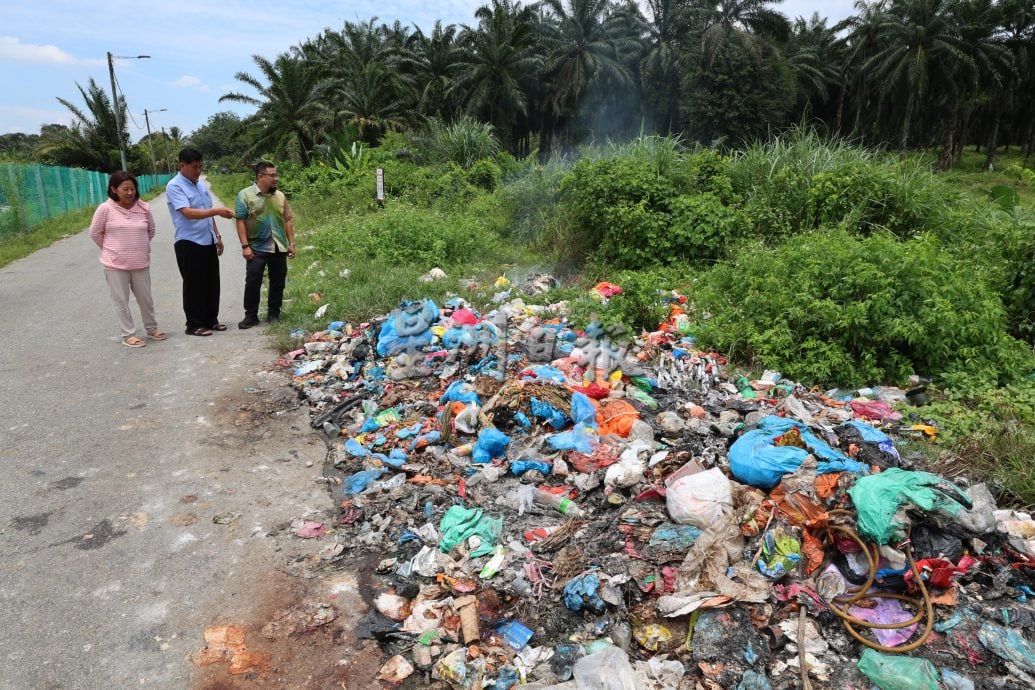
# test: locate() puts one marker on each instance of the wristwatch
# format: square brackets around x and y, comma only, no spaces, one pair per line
[246,246]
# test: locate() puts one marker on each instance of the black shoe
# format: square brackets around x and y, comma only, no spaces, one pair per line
[273,318]
[248,322]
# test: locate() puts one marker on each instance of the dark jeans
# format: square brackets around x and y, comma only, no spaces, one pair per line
[277,263]
[199,268]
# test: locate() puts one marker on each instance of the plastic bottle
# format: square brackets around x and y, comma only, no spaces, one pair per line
[561,504]
[494,563]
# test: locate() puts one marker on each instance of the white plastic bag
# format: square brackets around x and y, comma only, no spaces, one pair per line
[700,499]
[629,469]
[467,420]
[608,669]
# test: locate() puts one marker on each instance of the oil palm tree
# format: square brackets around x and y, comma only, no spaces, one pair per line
[979,28]
[921,52]
[498,63]
[432,60]
[749,22]
[588,45]
[811,54]
[660,70]
[290,116]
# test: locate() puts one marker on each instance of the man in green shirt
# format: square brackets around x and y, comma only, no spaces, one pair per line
[267,236]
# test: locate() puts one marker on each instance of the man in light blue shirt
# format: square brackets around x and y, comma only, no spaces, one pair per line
[198,243]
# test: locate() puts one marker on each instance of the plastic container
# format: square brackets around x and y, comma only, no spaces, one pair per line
[561,504]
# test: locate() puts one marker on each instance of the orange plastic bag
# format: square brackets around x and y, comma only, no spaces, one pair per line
[616,417]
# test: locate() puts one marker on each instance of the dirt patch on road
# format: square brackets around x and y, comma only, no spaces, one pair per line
[266,422]
[325,656]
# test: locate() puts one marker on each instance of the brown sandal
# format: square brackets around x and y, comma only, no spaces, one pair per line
[156,334]
[198,331]
[133,341]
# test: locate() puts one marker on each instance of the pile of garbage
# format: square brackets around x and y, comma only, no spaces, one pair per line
[540,506]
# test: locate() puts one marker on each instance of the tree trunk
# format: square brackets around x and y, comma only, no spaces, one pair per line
[964,131]
[945,162]
[840,105]
[1030,144]
[904,139]
[993,134]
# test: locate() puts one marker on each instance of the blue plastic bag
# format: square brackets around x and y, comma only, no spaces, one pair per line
[544,410]
[460,391]
[756,461]
[507,678]
[519,467]
[491,444]
[583,591]
[395,459]
[583,413]
[425,439]
[753,680]
[579,439]
[356,449]
[360,481]
[408,328]
[543,372]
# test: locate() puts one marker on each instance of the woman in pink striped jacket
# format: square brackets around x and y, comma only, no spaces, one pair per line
[123,228]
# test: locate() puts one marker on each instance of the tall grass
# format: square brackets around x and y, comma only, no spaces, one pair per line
[462,142]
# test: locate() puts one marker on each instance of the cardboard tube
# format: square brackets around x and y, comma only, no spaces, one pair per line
[468,609]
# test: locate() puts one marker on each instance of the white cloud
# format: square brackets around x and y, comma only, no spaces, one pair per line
[188,81]
[28,120]
[13,49]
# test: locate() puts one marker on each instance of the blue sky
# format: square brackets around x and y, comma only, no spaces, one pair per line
[196,47]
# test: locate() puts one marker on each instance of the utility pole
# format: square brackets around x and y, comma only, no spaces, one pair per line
[151,144]
[115,104]
[165,151]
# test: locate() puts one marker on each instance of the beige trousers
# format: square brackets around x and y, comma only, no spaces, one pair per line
[120,284]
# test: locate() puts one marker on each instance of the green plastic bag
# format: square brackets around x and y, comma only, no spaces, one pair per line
[895,672]
[459,523]
[642,396]
[880,498]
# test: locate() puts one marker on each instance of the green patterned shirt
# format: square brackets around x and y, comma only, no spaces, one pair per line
[264,215]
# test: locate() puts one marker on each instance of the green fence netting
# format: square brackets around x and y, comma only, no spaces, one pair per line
[32,193]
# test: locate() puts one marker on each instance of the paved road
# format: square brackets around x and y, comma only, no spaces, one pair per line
[115,463]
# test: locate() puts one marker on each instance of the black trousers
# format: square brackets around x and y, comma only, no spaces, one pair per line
[277,263]
[199,268]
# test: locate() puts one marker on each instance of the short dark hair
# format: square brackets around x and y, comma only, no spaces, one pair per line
[118,178]
[262,166]
[189,155]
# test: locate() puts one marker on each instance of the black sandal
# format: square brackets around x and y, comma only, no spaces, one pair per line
[199,331]
[218,327]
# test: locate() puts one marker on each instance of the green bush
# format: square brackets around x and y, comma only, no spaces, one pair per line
[703,229]
[868,196]
[831,308]
[1019,297]
[621,204]
[639,307]
[485,174]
